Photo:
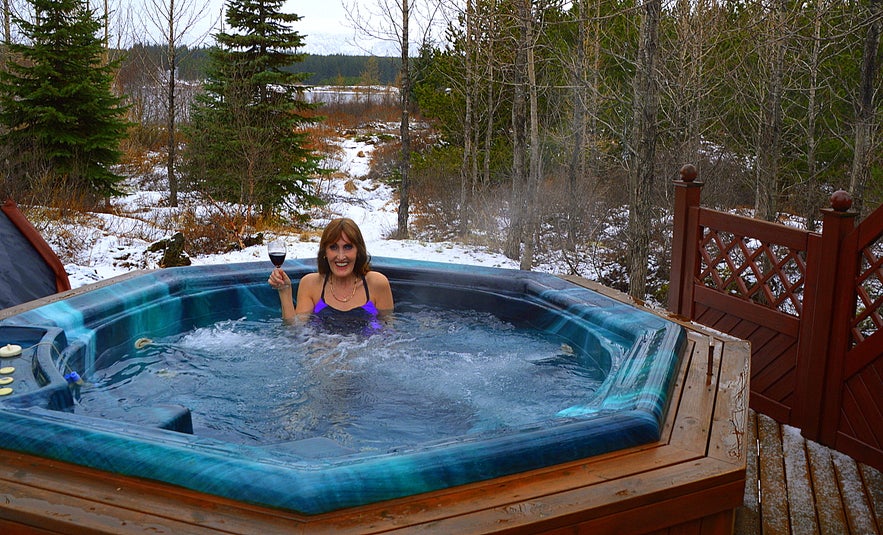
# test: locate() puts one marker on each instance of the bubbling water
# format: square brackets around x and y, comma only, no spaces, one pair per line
[425,374]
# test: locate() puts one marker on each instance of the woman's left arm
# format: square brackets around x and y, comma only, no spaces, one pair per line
[381,292]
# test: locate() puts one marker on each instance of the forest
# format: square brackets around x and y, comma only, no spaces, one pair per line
[318,69]
[543,128]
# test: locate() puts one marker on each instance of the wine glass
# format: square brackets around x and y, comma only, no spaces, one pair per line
[276,250]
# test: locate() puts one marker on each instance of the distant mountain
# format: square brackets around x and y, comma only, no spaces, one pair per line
[326,44]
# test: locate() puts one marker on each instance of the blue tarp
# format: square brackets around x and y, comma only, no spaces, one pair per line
[29,269]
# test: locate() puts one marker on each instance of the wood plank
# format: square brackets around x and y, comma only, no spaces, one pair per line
[706,315]
[72,514]
[720,523]
[10,528]
[736,306]
[697,399]
[855,503]
[774,493]
[624,511]
[873,481]
[832,519]
[778,348]
[761,336]
[727,439]
[748,516]
[59,482]
[801,502]
[860,416]
[678,388]
[770,407]
[766,231]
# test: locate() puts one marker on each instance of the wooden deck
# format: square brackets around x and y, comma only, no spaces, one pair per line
[691,481]
[797,487]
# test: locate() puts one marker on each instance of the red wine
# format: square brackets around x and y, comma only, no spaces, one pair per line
[277,259]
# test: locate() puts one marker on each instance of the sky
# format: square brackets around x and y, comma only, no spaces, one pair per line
[324,25]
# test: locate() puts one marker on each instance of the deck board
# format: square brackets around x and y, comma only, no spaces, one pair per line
[821,491]
[873,481]
[801,505]
[773,491]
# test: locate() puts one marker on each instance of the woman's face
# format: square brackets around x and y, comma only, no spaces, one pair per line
[341,256]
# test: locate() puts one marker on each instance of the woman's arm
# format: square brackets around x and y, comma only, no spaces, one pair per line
[280,282]
[308,291]
[381,292]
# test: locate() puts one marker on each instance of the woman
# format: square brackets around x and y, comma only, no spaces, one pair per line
[344,283]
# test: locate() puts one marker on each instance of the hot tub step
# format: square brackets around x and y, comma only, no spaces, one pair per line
[313,448]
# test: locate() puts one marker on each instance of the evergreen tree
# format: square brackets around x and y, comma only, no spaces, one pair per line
[246,141]
[56,101]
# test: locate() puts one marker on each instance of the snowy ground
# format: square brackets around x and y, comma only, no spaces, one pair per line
[118,245]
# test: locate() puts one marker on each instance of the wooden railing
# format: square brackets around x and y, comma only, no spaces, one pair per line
[811,304]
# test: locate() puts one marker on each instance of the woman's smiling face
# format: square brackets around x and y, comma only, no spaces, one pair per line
[341,256]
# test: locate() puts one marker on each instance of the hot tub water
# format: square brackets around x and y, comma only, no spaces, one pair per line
[429,374]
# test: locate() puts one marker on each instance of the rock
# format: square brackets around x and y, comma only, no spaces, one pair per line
[172,250]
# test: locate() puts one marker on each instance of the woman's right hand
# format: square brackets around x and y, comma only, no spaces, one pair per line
[279,279]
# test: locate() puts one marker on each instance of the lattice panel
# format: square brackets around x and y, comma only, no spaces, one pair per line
[767,274]
[869,293]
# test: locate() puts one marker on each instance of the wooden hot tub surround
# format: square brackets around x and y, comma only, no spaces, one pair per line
[690,481]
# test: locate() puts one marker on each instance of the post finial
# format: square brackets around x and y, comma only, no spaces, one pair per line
[841,200]
[689,173]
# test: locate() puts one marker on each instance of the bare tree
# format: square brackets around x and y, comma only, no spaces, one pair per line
[390,21]
[865,120]
[7,22]
[769,135]
[470,88]
[643,149]
[174,19]
[518,205]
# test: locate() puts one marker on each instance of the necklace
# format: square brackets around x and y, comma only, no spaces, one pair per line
[343,300]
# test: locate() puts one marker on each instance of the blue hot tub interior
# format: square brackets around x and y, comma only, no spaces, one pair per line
[313,475]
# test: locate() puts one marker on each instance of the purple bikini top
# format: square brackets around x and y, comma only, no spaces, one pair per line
[323,308]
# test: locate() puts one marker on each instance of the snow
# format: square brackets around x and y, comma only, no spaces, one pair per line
[117,242]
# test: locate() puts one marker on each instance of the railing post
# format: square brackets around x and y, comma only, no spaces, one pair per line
[817,355]
[685,236]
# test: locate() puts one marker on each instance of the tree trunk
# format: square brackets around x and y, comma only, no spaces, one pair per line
[491,102]
[641,173]
[535,176]
[7,23]
[170,111]
[576,168]
[865,120]
[405,129]
[810,209]
[769,148]
[689,78]
[517,209]
[469,89]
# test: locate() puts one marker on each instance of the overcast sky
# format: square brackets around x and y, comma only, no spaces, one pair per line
[324,25]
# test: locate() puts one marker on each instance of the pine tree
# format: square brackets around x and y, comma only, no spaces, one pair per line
[56,101]
[246,142]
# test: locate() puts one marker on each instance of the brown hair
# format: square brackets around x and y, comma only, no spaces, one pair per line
[332,233]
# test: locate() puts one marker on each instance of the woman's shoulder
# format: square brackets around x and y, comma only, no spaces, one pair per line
[311,279]
[375,277]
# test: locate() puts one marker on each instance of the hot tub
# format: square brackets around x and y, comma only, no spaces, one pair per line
[40,416]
